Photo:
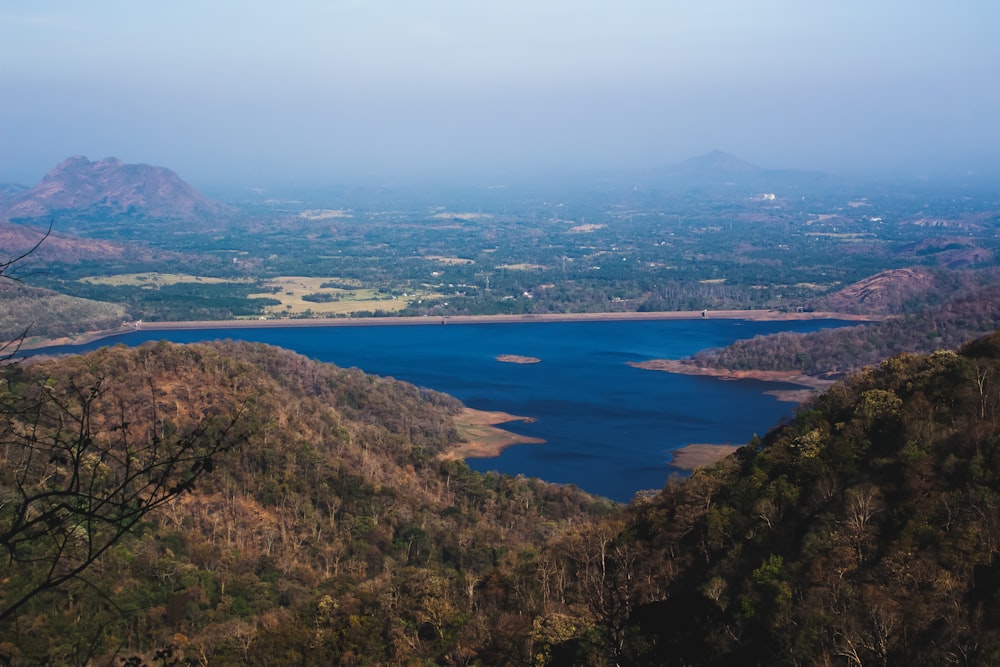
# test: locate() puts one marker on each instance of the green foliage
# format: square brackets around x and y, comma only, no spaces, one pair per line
[44,313]
[555,249]
[335,534]
[969,310]
[865,530]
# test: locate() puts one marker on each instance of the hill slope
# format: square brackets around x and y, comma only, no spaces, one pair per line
[961,306]
[108,188]
[334,530]
[866,531]
[38,312]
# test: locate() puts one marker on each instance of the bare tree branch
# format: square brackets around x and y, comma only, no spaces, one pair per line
[9,349]
[86,464]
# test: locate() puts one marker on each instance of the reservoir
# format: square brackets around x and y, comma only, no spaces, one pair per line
[608,427]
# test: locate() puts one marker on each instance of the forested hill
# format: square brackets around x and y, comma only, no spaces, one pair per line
[327,530]
[865,532]
[962,312]
[29,309]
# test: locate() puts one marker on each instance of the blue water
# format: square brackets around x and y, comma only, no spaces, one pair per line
[609,428]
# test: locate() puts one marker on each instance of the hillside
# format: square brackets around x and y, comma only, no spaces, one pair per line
[865,532]
[16,239]
[40,312]
[331,531]
[110,188]
[957,307]
[884,293]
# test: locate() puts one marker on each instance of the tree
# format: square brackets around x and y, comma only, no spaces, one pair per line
[82,461]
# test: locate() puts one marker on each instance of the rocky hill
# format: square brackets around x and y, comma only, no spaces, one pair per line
[884,293]
[936,310]
[110,188]
[18,239]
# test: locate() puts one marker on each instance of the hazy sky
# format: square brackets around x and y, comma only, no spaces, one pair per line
[306,91]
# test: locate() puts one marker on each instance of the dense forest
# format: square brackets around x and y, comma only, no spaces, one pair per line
[326,529]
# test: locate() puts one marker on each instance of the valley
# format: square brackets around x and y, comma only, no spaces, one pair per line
[210,501]
[637,245]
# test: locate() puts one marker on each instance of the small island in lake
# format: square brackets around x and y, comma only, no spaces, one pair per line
[517,359]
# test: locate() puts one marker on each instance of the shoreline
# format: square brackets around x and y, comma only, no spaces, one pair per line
[811,385]
[482,438]
[748,315]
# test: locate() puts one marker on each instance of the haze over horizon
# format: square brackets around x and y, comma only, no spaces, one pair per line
[232,94]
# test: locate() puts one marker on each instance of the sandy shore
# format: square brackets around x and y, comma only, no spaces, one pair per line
[696,456]
[482,438]
[752,315]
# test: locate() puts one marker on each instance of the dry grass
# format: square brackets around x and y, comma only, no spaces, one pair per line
[583,229]
[152,280]
[482,438]
[291,290]
[521,267]
[696,456]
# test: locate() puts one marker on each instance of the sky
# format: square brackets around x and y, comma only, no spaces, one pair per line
[254,93]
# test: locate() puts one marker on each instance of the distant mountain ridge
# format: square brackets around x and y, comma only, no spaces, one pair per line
[715,162]
[110,187]
[719,168]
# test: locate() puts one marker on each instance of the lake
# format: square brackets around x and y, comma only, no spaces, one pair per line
[609,428]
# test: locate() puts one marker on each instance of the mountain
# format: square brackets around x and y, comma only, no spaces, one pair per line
[110,188]
[9,191]
[715,164]
[718,169]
